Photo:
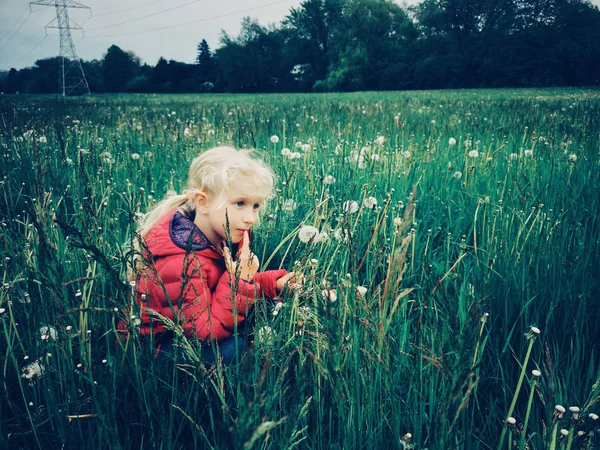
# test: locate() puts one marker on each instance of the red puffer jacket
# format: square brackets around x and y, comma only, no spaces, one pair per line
[188,283]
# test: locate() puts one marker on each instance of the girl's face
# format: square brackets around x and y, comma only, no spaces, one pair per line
[238,206]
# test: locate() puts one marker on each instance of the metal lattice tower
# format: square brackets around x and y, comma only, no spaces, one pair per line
[71,77]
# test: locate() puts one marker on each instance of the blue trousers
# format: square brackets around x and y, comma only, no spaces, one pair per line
[228,349]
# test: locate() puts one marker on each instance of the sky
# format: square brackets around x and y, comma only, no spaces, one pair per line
[150,28]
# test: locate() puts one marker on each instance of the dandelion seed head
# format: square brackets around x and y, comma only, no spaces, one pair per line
[451,141]
[350,206]
[32,370]
[473,154]
[329,179]
[47,333]
[561,409]
[370,202]
[511,420]
[274,139]
[362,290]
[308,233]
[288,205]
[564,432]
[536,373]
[329,294]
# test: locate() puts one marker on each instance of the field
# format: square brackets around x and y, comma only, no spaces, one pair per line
[454,281]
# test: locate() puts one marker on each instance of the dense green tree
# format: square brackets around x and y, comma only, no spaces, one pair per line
[312,30]
[253,62]
[12,81]
[375,34]
[205,72]
[118,68]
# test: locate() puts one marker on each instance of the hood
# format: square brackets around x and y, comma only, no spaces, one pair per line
[176,234]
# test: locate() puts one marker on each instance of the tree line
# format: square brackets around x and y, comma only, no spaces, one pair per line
[348,45]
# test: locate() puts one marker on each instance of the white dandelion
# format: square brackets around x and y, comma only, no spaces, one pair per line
[47,333]
[288,205]
[342,234]
[329,294]
[473,154]
[308,234]
[451,141]
[274,139]
[135,156]
[286,152]
[370,202]
[32,370]
[350,206]
[329,179]
[362,290]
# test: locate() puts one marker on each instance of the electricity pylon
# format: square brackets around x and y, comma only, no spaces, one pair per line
[71,76]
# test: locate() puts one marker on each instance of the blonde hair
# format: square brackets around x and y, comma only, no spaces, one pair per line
[213,172]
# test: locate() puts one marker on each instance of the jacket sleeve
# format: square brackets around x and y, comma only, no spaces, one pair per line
[212,315]
[267,282]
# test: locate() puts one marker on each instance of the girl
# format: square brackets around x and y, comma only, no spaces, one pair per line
[189,275]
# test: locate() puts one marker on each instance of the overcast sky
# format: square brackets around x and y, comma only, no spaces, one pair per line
[149,28]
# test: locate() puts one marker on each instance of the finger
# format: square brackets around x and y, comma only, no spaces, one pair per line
[290,277]
[244,250]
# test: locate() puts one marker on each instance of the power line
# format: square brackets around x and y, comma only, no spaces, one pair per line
[31,51]
[33,36]
[16,31]
[17,21]
[125,9]
[145,17]
[192,22]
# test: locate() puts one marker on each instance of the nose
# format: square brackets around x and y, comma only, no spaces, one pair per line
[250,216]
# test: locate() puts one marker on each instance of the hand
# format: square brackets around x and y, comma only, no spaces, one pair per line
[247,263]
[289,281]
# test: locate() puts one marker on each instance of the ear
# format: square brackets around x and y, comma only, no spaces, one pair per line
[201,202]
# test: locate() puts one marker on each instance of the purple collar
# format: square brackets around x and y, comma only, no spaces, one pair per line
[186,235]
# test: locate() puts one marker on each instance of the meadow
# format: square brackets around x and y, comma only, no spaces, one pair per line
[449,243]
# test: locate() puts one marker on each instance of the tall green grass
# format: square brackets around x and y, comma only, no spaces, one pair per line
[434,354]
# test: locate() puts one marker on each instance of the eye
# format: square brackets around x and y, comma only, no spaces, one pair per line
[239,204]
[256,206]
